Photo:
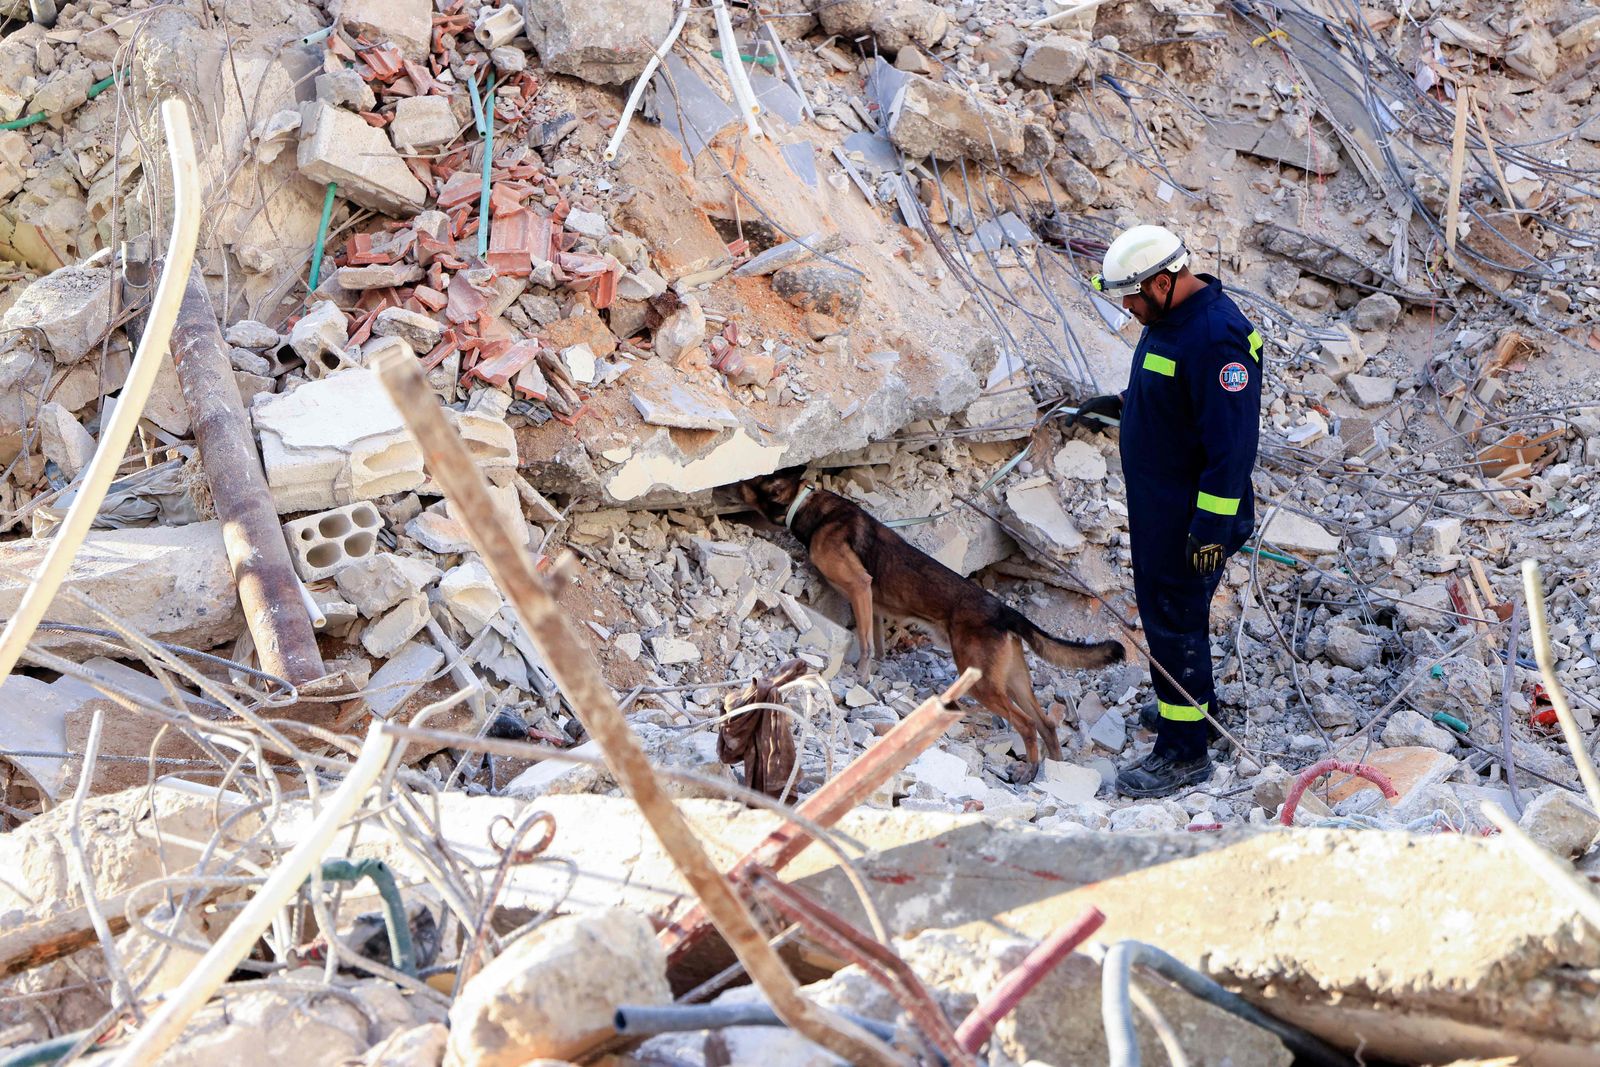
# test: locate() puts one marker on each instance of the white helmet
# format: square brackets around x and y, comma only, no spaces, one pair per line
[1137,255]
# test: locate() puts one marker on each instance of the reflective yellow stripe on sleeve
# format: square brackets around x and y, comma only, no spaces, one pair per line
[1160,364]
[1218,505]
[1182,712]
[1255,345]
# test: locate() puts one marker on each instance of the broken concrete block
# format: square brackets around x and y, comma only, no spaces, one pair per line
[346,88]
[256,336]
[1343,356]
[1561,823]
[941,121]
[1295,533]
[325,543]
[397,681]
[496,26]
[833,291]
[1287,139]
[63,440]
[421,332]
[385,636]
[378,276]
[1427,608]
[319,337]
[338,146]
[673,650]
[470,595]
[1410,728]
[606,42]
[1081,461]
[1439,537]
[1056,60]
[681,331]
[377,582]
[1068,783]
[1352,648]
[335,441]
[1376,311]
[71,307]
[664,398]
[171,583]
[423,122]
[406,24]
[554,992]
[1034,504]
[1368,391]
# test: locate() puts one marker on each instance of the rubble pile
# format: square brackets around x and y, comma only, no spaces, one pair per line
[641,252]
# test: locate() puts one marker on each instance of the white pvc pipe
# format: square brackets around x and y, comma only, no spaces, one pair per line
[743,95]
[644,80]
[164,1027]
[1064,15]
[114,437]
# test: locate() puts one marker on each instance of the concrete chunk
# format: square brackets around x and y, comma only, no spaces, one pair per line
[387,635]
[63,440]
[71,307]
[379,582]
[469,594]
[941,121]
[1560,822]
[338,146]
[406,24]
[664,398]
[421,332]
[602,41]
[423,122]
[1295,533]
[172,583]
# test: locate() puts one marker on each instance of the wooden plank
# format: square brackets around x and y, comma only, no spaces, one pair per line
[1494,157]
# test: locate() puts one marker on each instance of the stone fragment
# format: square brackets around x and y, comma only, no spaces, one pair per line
[1080,461]
[1068,783]
[1376,311]
[1079,182]
[378,582]
[346,88]
[338,146]
[833,291]
[629,644]
[1370,392]
[1560,822]
[1351,648]
[554,992]
[1408,727]
[1533,54]
[587,223]
[335,441]
[66,91]
[942,121]
[378,276]
[256,336]
[606,42]
[385,636]
[1034,504]
[1439,537]
[63,439]
[664,398]
[470,595]
[170,583]
[1427,608]
[1055,60]
[408,670]
[71,307]
[406,24]
[423,122]
[421,332]
[508,60]
[1341,356]
[1002,51]
[332,540]
[673,650]
[319,337]
[681,331]
[1287,139]
[1295,533]
[1110,731]
[900,24]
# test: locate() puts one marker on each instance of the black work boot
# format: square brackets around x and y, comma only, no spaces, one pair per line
[1163,773]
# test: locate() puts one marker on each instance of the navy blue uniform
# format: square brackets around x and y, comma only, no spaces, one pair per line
[1190,422]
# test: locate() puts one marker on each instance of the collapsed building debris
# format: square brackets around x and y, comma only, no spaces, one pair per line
[494,304]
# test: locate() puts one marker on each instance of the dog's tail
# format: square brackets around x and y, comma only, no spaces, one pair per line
[1059,650]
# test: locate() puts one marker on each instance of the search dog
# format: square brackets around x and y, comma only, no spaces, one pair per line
[880,573]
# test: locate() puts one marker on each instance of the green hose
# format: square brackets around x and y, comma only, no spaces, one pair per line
[45,1052]
[401,952]
[322,234]
[1446,719]
[1273,556]
[39,116]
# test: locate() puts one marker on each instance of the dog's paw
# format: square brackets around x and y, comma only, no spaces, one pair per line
[1023,772]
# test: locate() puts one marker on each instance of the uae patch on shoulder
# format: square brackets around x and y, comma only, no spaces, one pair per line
[1234,377]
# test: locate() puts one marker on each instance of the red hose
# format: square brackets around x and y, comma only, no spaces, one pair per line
[976,1027]
[1328,766]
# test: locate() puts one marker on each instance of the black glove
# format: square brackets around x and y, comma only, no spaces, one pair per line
[1095,412]
[1205,559]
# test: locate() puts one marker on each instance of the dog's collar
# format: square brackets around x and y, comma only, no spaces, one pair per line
[794,509]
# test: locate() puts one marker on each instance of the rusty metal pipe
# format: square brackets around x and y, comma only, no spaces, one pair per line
[269,588]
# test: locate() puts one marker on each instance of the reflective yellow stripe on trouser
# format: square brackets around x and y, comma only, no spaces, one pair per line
[1218,505]
[1183,712]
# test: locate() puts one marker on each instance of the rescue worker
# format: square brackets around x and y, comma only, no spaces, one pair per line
[1189,421]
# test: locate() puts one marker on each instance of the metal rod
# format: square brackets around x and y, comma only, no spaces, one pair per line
[269,588]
